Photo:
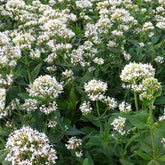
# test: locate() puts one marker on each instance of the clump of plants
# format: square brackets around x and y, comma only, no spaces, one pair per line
[82,82]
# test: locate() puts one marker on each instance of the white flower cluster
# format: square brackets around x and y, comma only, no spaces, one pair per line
[83,4]
[99,61]
[151,89]
[6,81]
[73,143]
[134,73]
[159,59]
[95,89]
[125,107]
[85,108]
[163,142]
[123,17]
[3,112]
[161,118]
[52,123]
[51,57]
[110,102]
[35,54]
[4,40]
[47,109]
[30,105]
[147,26]
[45,87]
[27,147]
[83,54]
[119,124]
[68,74]
[9,54]
[23,41]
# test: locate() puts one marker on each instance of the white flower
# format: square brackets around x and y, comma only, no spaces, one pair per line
[3,111]
[119,124]
[4,40]
[117,33]
[160,25]
[52,123]
[84,4]
[125,107]
[79,154]
[47,109]
[45,86]
[135,72]
[141,44]
[30,105]
[95,89]
[23,41]
[85,108]
[159,59]
[68,73]
[147,26]
[111,44]
[111,102]
[35,53]
[161,118]
[127,56]
[163,142]
[73,143]
[99,61]
[27,141]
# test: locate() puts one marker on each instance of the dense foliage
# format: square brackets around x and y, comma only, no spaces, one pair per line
[82,82]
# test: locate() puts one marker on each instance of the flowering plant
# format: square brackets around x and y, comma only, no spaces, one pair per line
[82,82]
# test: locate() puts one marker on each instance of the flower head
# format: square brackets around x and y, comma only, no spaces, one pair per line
[45,86]
[27,146]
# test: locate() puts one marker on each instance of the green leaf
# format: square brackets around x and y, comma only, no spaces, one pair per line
[138,120]
[11,94]
[95,141]
[159,131]
[162,158]
[72,99]
[153,162]
[23,95]
[6,163]
[36,71]
[131,140]
[143,155]
[94,120]
[160,100]
[155,39]
[89,158]
[86,162]
[74,131]
[3,154]
[125,162]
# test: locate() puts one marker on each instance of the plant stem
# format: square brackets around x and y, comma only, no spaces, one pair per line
[104,113]
[152,134]
[136,101]
[99,116]
[153,144]
[97,107]
[27,65]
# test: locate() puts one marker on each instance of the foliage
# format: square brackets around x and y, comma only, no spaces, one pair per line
[62,73]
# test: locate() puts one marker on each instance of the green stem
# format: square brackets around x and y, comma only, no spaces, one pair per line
[152,134]
[136,101]
[99,116]
[153,144]
[27,65]
[97,107]
[104,113]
